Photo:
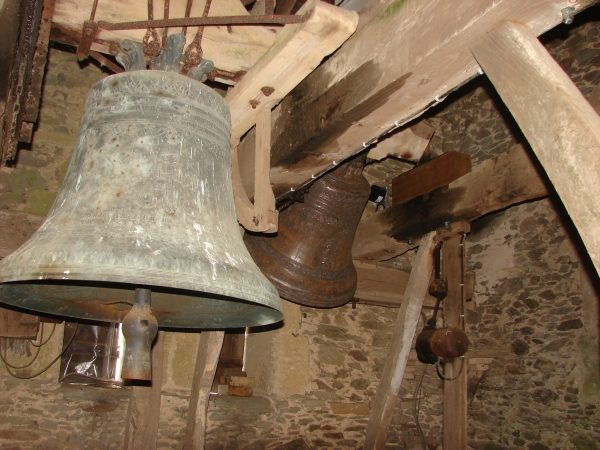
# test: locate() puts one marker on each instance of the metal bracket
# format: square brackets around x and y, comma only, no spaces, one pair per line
[262,215]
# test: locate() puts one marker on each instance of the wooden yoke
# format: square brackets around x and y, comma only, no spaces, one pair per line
[261,215]
[297,50]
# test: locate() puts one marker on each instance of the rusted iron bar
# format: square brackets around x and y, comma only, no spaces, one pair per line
[105,62]
[269,19]
[188,11]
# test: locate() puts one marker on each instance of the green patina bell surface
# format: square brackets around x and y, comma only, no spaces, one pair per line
[147,201]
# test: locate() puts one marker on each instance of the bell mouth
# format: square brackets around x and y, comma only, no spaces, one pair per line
[109,302]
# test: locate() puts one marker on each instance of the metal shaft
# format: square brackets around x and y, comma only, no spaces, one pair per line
[269,19]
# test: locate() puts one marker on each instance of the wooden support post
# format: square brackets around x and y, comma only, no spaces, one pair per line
[262,215]
[404,332]
[561,126]
[454,422]
[209,349]
[141,428]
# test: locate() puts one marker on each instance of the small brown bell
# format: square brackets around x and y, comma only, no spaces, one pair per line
[310,260]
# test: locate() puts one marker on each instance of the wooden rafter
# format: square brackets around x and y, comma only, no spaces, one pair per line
[561,126]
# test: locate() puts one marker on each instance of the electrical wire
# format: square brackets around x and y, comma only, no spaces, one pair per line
[37,352]
[417,407]
[28,377]
[443,375]
[41,344]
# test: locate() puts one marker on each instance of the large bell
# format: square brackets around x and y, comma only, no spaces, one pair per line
[147,204]
[310,259]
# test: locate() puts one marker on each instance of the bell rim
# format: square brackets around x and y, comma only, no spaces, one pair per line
[270,305]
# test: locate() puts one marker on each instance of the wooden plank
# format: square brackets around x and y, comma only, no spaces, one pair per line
[141,427]
[561,126]
[14,324]
[379,284]
[231,48]
[409,143]
[454,420]
[298,49]
[492,185]
[382,78]
[207,357]
[232,351]
[431,175]
[404,332]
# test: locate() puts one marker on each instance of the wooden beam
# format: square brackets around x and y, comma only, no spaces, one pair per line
[409,143]
[404,332]
[143,413]
[431,175]
[454,421]
[379,285]
[232,48]
[207,357]
[298,49]
[14,324]
[492,185]
[561,126]
[382,78]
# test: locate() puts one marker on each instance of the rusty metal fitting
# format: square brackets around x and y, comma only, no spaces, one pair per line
[152,43]
[438,289]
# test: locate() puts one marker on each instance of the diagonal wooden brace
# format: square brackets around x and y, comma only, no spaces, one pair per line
[261,215]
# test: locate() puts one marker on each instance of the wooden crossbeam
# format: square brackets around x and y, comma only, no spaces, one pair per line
[404,332]
[561,126]
[492,185]
[429,176]
[379,285]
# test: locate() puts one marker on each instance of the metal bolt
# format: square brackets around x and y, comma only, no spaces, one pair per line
[267,90]
[335,163]
[568,13]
